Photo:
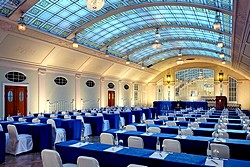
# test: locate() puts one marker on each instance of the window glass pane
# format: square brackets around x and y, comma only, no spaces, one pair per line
[10,96]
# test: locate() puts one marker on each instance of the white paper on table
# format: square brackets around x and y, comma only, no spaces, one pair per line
[159,155]
[212,162]
[113,149]
[141,124]
[180,137]
[220,140]
[120,131]
[79,144]
[146,134]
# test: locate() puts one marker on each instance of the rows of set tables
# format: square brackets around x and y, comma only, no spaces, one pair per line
[239,149]
[109,156]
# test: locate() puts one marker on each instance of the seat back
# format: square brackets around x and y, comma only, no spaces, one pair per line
[106,138]
[100,114]
[84,161]
[149,121]
[64,112]
[195,125]
[52,122]
[223,135]
[51,158]
[67,117]
[171,123]
[163,117]
[13,135]
[135,141]
[1,128]
[171,145]
[131,127]
[171,114]
[201,119]
[187,132]
[154,130]
[35,120]
[181,119]
[87,114]
[248,136]
[223,150]
[79,117]
[135,165]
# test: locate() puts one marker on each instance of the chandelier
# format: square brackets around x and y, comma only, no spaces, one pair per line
[95,4]
[217,22]
[21,26]
[156,44]
[220,43]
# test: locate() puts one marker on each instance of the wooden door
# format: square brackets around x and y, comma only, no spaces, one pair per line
[15,100]
[111,98]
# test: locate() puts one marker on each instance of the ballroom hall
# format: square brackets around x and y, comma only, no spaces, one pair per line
[124,83]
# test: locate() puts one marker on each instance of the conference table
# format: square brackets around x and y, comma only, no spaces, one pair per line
[177,105]
[41,133]
[138,115]
[239,149]
[114,120]
[96,123]
[233,134]
[147,112]
[203,124]
[2,147]
[127,116]
[109,156]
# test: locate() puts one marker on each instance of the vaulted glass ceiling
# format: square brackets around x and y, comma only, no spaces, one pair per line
[128,27]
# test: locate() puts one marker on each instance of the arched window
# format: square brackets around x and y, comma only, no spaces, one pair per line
[232,89]
[194,82]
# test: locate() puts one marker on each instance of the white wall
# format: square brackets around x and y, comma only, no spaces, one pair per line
[31,81]
[90,95]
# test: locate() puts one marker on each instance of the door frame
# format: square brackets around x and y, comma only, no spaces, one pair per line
[16,84]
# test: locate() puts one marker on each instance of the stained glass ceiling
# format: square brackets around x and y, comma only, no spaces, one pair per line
[128,27]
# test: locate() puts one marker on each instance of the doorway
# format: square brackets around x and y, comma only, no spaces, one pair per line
[111,98]
[15,100]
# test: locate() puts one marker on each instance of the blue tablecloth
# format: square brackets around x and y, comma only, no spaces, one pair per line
[204,124]
[126,156]
[155,112]
[2,147]
[114,120]
[147,112]
[72,127]
[138,115]
[127,116]
[41,133]
[96,124]
[177,105]
[239,149]
[233,134]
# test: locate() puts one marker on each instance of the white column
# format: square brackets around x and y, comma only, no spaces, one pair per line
[102,92]
[120,95]
[42,101]
[78,92]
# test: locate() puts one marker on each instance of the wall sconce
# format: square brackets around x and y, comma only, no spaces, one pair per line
[168,78]
[221,76]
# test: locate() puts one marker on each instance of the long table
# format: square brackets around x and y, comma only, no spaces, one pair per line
[126,156]
[177,105]
[2,147]
[239,149]
[233,134]
[41,133]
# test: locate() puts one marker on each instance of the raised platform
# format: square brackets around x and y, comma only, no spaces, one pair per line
[177,105]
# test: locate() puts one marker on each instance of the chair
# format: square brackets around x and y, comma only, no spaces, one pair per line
[36,120]
[9,118]
[171,145]
[171,114]
[220,126]
[187,132]
[171,123]
[51,158]
[6,136]
[248,136]
[58,134]
[195,125]
[106,124]
[154,130]
[67,117]
[131,128]
[201,119]
[106,138]
[224,135]
[163,117]
[181,119]
[84,161]
[64,112]
[133,118]
[21,119]
[149,121]
[87,114]
[223,150]
[135,141]
[18,143]
[86,127]
[135,165]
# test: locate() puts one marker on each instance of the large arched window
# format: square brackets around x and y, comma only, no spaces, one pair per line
[194,82]
[232,89]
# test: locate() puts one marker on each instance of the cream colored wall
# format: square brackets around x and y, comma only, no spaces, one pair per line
[90,95]
[56,92]
[31,81]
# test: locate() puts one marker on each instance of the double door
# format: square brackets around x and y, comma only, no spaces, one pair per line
[111,98]
[15,100]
